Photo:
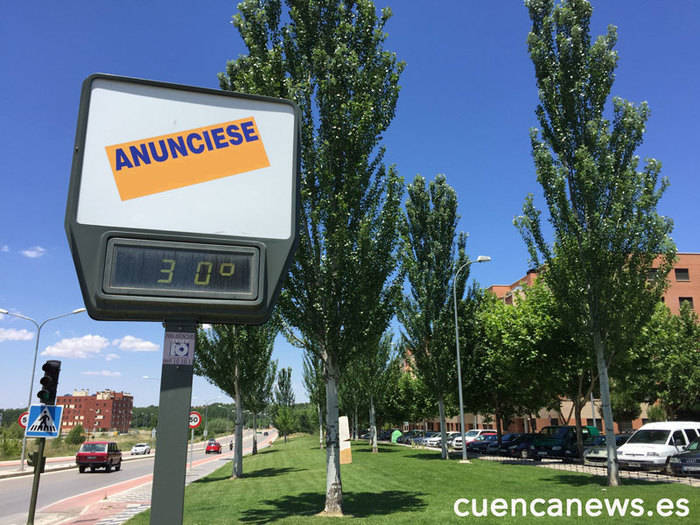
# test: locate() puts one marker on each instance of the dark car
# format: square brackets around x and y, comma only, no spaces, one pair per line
[519,447]
[213,447]
[688,462]
[99,454]
[410,436]
[479,444]
[560,441]
[494,448]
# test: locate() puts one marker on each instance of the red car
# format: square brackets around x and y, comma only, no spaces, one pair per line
[99,454]
[213,447]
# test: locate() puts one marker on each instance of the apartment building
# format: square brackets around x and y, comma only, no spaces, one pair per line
[103,411]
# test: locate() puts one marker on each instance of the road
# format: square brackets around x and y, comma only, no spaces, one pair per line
[55,486]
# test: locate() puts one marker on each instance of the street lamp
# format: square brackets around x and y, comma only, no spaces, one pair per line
[479,259]
[39,326]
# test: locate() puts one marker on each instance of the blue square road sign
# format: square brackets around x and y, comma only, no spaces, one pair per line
[44,421]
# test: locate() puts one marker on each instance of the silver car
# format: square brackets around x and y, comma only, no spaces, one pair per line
[140,449]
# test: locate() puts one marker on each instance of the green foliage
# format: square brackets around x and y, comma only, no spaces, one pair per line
[284,395]
[285,420]
[144,417]
[328,57]
[431,257]
[76,435]
[670,346]
[656,413]
[607,232]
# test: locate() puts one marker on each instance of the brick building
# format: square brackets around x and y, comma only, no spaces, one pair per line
[103,411]
[684,286]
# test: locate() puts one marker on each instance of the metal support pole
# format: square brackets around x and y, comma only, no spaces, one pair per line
[35,484]
[459,368]
[168,492]
[191,446]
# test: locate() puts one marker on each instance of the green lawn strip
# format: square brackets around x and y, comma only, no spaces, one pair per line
[286,484]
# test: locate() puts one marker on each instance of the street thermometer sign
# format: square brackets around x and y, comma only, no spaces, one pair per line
[182,201]
[182,208]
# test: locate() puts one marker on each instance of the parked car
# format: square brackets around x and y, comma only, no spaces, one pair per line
[470,436]
[479,444]
[435,440]
[560,441]
[451,436]
[651,447]
[213,447]
[520,447]
[494,448]
[140,448]
[99,454]
[688,462]
[595,452]
[409,437]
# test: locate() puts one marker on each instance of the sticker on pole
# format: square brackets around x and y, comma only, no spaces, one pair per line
[23,418]
[178,348]
[195,419]
[44,421]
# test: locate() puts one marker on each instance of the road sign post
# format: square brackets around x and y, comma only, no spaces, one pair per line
[195,421]
[182,209]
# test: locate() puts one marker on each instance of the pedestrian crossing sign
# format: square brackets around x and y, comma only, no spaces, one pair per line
[44,421]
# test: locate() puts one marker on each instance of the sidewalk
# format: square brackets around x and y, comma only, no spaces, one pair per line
[117,503]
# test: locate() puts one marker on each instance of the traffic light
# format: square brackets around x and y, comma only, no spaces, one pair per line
[49,383]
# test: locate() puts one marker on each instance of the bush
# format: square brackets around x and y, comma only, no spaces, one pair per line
[76,435]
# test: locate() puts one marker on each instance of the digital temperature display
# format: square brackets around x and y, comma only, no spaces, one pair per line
[179,269]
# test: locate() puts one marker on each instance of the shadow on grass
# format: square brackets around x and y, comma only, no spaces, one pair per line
[356,504]
[262,473]
[601,481]
[382,450]
[270,472]
[427,455]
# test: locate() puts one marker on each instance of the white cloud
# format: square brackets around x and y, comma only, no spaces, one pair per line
[106,373]
[206,326]
[110,357]
[34,253]
[78,347]
[134,344]
[11,334]
[4,248]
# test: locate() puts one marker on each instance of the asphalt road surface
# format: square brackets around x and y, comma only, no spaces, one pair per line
[15,493]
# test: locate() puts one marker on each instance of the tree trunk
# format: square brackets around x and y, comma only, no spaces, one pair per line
[334,486]
[599,345]
[499,427]
[255,432]
[372,426]
[441,408]
[238,445]
[578,407]
[320,427]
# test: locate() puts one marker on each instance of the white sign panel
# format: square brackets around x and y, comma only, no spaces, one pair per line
[165,159]
[178,348]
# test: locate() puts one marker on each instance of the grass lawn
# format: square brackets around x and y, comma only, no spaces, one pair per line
[286,484]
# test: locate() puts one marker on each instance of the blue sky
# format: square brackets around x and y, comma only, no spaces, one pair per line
[466,105]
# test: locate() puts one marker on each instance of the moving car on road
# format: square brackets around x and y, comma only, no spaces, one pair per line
[98,454]
[140,448]
[213,447]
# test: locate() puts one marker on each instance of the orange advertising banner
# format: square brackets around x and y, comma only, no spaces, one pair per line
[157,164]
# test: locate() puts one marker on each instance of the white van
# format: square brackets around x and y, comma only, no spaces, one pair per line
[651,446]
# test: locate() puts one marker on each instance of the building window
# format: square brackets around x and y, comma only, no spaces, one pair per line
[554,422]
[688,300]
[651,274]
[682,274]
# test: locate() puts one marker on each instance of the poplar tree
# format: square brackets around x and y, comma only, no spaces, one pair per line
[602,208]
[432,252]
[328,57]
[235,359]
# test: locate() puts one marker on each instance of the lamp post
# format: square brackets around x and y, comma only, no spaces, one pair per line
[479,259]
[39,326]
